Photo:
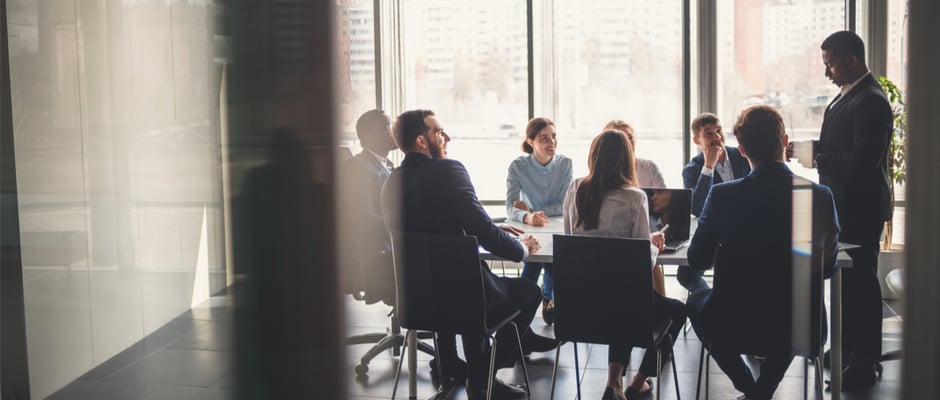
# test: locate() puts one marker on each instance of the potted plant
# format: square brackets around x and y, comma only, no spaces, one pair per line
[897,165]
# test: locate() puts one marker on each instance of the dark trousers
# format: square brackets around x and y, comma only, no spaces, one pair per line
[519,294]
[690,279]
[861,292]
[663,308]
[772,369]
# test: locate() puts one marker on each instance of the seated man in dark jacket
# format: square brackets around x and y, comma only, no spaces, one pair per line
[750,223]
[429,193]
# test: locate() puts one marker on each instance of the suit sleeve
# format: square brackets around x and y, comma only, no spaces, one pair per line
[701,252]
[872,123]
[700,184]
[474,219]
[557,199]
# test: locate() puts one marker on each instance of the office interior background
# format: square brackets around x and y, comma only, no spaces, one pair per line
[130,128]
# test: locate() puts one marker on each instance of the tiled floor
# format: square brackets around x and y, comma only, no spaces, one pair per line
[190,358]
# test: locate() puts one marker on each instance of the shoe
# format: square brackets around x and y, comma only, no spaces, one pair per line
[610,394]
[858,377]
[533,343]
[633,394]
[501,390]
[548,311]
[453,370]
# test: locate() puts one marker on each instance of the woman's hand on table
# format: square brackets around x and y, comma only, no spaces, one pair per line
[537,218]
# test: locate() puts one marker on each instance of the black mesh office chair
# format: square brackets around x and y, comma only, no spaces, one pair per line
[440,289]
[604,295]
[752,320]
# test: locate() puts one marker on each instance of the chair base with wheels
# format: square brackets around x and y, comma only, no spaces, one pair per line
[393,339]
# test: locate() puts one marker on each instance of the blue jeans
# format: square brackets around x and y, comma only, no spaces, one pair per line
[531,270]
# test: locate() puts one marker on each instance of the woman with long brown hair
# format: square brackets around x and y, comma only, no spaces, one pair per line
[607,202]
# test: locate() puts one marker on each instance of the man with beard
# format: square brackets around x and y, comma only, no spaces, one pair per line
[429,193]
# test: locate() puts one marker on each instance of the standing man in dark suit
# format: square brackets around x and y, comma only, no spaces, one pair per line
[744,215]
[715,163]
[852,159]
[429,193]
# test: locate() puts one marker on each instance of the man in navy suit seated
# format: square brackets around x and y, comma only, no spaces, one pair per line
[429,193]
[715,163]
[751,215]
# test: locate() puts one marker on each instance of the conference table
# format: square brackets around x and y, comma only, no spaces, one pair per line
[680,257]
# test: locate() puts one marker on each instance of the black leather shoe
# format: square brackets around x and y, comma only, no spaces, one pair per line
[548,311]
[858,377]
[533,343]
[501,391]
[634,394]
[453,370]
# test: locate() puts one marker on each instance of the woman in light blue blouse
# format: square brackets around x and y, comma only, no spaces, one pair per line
[535,192]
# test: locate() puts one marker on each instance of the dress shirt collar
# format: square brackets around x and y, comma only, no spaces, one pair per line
[383,161]
[847,88]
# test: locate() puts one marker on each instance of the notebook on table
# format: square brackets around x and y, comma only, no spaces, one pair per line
[672,207]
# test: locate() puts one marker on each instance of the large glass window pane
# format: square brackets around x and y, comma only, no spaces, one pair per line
[466,61]
[355,55]
[620,60]
[768,53]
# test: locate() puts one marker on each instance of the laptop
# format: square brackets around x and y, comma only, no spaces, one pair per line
[672,207]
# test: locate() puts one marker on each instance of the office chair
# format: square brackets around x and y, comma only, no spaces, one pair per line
[768,326]
[604,295]
[440,289]
[378,285]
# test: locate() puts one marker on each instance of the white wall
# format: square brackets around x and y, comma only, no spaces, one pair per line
[115,107]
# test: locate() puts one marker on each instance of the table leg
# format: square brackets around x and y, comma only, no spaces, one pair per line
[835,372]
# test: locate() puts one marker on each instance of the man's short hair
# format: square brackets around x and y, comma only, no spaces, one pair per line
[843,44]
[760,132]
[408,126]
[368,121]
[702,120]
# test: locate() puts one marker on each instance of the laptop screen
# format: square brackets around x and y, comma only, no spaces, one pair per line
[673,207]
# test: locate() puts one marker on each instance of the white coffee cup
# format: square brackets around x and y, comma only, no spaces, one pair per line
[803,152]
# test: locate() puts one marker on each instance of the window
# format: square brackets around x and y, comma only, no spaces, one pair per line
[768,53]
[619,60]
[466,61]
[356,64]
